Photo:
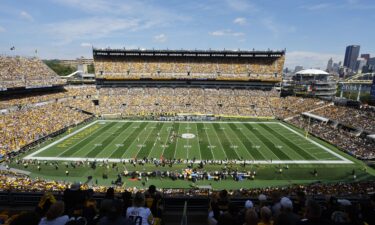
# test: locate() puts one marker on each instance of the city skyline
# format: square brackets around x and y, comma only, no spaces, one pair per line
[312,32]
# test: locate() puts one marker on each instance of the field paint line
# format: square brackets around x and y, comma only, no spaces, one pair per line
[143,145]
[177,140]
[136,138]
[165,143]
[198,161]
[317,144]
[209,142]
[156,141]
[88,146]
[300,147]
[260,141]
[119,135]
[156,121]
[222,147]
[231,143]
[246,136]
[60,140]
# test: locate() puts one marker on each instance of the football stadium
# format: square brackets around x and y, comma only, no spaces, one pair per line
[202,112]
[196,124]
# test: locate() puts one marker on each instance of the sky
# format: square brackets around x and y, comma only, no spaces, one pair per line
[311,31]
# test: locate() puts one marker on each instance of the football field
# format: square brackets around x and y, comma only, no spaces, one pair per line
[270,142]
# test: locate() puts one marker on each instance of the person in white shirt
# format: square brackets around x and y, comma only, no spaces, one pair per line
[138,212]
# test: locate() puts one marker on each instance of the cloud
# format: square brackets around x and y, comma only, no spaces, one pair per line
[242,5]
[86,45]
[310,59]
[317,6]
[2,29]
[160,38]
[227,32]
[276,28]
[240,21]
[26,16]
[92,28]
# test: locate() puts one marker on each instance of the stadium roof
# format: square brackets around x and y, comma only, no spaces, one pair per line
[108,52]
[320,118]
[312,72]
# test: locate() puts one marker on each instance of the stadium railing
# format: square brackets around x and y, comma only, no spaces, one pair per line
[184,215]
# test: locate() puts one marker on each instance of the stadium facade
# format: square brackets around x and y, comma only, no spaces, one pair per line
[315,83]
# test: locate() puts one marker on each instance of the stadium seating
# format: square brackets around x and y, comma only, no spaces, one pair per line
[358,146]
[358,118]
[18,72]
[332,203]
[27,125]
[219,69]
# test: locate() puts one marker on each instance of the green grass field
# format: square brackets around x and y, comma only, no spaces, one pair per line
[255,142]
[266,146]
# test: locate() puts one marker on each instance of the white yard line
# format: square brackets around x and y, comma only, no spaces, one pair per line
[231,143]
[209,142]
[218,140]
[155,143]
[198,161]
[166,141]
[60,140]
[260,152]
[154,121]
[260,141]
[342,161]
[317,144]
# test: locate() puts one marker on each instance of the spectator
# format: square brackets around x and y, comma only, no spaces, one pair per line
[74,199]
[265,216]
[313,215]
[127,200]
[251,217]
[45,203]
[110,193]
[286,215]
[114,215]
[29,218]
[55,216]
[138,213]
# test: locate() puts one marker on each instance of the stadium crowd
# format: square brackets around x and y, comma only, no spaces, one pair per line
[69,92]
[299,204]
[358,146]
[358,118]
[235,102]
[219,69]
[26,72]
[27,125]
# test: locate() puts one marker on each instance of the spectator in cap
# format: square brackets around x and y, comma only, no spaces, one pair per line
[286,216]
[249,204]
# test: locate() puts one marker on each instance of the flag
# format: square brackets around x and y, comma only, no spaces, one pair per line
[36,51]
[13,48]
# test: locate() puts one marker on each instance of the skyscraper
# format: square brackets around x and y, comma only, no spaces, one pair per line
[351,55]
[329,65]
[365,56]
